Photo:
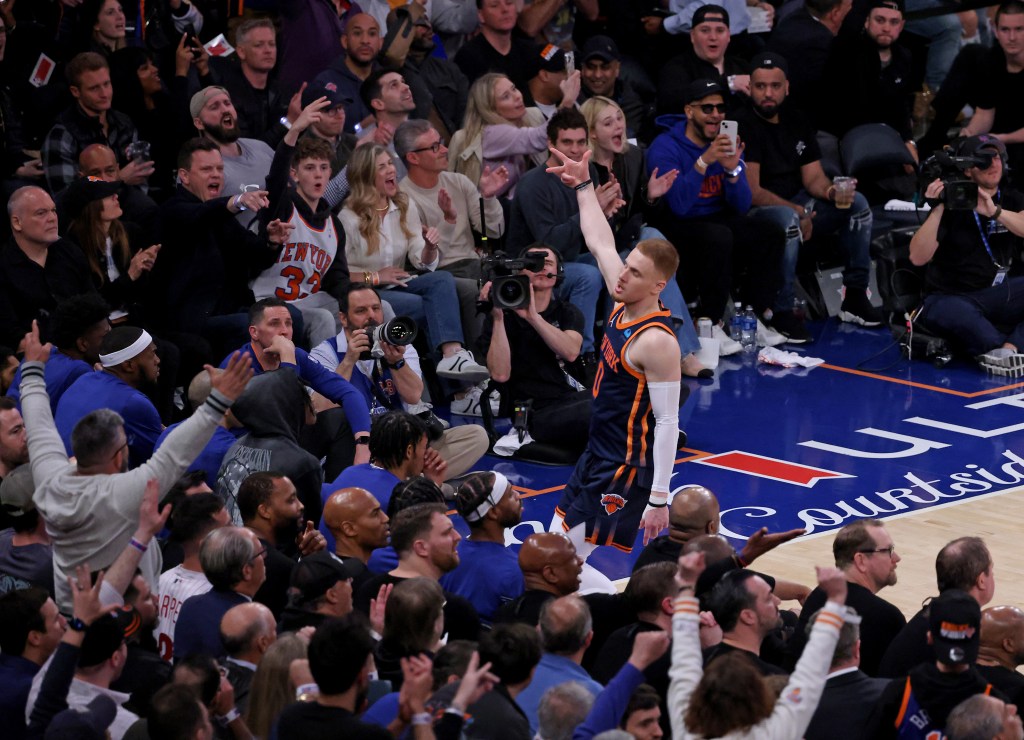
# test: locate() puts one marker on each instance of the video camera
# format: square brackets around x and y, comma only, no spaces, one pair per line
[959,193]
[399,331]
[509,289]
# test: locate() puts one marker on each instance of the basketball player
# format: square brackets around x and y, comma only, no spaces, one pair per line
[621,481]
[311,271]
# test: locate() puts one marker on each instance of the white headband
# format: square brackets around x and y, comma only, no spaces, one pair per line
[134,349]
[500,484]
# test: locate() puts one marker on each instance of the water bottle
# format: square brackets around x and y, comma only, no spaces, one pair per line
[736,324]
[749,333]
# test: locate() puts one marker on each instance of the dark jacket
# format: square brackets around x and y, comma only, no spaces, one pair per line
[259,112]
[684,68]
[273,409]
[205,264]
[844,711]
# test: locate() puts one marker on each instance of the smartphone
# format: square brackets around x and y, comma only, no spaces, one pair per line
[729,128]
[192,40]
[570,63]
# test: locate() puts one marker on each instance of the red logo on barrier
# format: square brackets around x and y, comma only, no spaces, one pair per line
[769,467]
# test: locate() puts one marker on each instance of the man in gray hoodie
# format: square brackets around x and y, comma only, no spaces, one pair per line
[91,507]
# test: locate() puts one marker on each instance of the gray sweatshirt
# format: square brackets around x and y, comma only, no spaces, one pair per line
[91,518]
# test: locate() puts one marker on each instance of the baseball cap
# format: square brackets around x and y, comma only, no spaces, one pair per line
[600,47]
[954,619]
[769,60]
[314,575]
[88,723]
[201,98]
[700,89]
[16,492]
[707,13]
[85,190]
[970,146]
[552,58]
[104,636]
[330,91]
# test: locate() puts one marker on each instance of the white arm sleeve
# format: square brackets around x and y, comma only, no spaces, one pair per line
[665,404]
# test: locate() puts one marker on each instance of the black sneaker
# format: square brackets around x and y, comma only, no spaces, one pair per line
[857,309]
[790,326]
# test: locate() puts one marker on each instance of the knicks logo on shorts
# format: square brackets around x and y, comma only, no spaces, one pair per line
[612,502]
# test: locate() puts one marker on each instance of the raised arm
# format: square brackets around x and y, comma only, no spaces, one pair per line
[596,231]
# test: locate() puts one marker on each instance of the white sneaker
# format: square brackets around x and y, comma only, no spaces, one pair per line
[462,366]
[469,405]
[768,337]
[726,344]
[1003,361]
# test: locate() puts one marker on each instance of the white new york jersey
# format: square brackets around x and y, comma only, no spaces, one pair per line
[305,259]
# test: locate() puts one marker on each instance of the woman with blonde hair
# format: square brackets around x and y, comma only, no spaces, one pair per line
[624,166]
[499,129]
[272,688]
[382,235]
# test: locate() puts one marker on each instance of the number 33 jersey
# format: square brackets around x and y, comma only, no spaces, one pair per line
[304,260]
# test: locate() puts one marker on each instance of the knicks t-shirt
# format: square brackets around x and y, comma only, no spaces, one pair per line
[303,262]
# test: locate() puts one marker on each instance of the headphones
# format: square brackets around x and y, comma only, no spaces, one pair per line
[559,274]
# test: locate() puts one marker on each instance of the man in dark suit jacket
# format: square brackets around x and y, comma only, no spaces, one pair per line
[850,694]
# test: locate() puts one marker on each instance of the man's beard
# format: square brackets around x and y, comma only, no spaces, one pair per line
[423,45]
[767,110]
[222,135]
[288,530]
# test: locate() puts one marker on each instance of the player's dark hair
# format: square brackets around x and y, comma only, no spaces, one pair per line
[371,88]
[565,119]
[20,613]
[452,660]
[179,491]
[74,316]
[391,434]
[411,524]
[472,492]
[961,562]
[192,518]
[418,490]
[820,8]
[257,309]
[853,538]
[338,652]
[662,254]
[1011,7]
[192,146]
[414,607]
[198,671]
[255,491]
[513,650]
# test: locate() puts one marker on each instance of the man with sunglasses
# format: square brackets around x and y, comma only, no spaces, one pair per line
[864,551]
[706,213]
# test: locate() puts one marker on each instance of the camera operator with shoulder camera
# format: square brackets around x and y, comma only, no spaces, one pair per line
[527,346]
[388,374]
[971,242]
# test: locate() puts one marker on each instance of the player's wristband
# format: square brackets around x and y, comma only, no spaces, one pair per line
[658,499]
[422,718]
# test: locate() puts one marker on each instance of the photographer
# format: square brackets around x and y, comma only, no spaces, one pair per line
[526,348]
[972,285]
[393,380]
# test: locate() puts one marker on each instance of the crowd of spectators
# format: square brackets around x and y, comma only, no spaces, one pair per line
[225,493]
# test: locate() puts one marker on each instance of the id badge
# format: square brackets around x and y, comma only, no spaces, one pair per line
[1000,276]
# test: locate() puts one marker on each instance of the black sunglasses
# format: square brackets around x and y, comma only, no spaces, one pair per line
[708,108]
[435,147]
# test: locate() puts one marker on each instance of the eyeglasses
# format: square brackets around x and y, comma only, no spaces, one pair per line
[890,550]
[435,147]
[708,108]
[261,554]
[120,449]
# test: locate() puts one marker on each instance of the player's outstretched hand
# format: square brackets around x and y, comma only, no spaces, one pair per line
[654,522]
[570,172]
[35,350]
[233,379]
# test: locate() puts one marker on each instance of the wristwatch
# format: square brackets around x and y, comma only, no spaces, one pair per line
[398,365]
[364,440]
[735,172]
[285,122]
[77,625]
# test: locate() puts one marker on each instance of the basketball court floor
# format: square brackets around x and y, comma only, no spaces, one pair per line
[936,452]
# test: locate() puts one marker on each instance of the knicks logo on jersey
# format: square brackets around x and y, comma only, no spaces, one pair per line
[612,502]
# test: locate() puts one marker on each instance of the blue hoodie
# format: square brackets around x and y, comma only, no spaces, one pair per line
[694,195]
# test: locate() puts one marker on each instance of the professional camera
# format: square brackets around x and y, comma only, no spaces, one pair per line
[509,289]
[959,193]
[399,331]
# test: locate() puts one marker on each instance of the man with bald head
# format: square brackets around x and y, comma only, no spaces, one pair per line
[362,41]
[551,568]
[694,511]
[1002,650]
[247,631]
[359,526]
[566,630]
[38,269]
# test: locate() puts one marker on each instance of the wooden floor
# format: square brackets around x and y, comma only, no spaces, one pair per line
[918,536]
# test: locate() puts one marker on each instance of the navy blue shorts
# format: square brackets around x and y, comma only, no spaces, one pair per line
[609,497]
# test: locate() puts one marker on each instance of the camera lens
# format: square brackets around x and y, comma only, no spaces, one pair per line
[510,292]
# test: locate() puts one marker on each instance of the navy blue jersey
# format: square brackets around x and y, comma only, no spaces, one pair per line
[621,427]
